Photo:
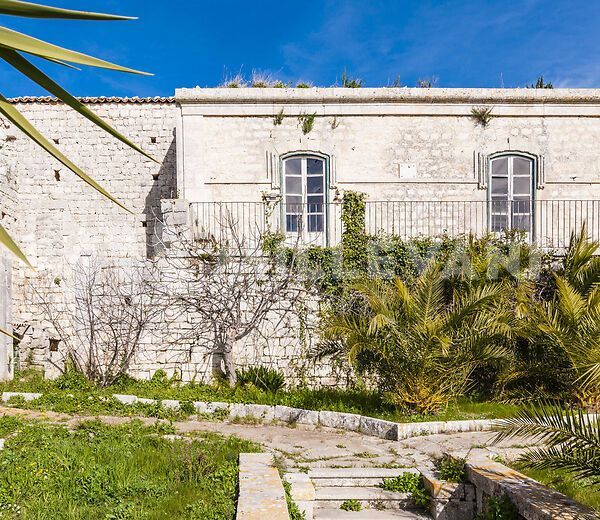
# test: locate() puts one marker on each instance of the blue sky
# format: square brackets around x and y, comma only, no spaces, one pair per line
[193,42]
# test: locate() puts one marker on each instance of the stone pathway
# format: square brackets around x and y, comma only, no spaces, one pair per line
[305,447]
[315,449]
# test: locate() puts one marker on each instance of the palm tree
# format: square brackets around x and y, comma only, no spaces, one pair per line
[570,438]
[12,47]
[421,347]
[559,351]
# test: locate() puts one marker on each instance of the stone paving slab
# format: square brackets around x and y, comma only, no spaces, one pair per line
[261,493]
[338,514]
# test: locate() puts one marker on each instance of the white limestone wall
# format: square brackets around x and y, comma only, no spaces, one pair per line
[58,219]
[393,144]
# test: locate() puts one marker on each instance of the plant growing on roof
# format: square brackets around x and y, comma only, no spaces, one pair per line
[12,47]
[307,122]
[482,115]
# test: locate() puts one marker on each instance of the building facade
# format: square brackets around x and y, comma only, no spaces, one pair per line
[430,162]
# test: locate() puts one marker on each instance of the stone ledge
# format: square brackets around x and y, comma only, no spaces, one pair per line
[533,500]
[261,493]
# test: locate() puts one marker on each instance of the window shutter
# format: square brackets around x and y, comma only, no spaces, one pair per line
[272,167]
[332,172]
[481,170]
[540,172]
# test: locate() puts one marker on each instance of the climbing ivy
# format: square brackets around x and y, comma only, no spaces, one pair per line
[354,238]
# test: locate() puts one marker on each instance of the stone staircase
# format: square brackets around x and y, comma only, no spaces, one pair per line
[334,486]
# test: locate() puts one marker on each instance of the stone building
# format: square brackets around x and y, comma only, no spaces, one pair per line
[430,161]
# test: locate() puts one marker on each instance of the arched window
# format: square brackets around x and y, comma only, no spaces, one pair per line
[305,193]
[511,192]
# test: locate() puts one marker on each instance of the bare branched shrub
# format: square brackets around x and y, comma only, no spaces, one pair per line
[100,315]
[226,288]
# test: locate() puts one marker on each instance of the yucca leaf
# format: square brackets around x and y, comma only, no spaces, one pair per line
[6,333]
[21,42]
[9,243]
[13,115]
[31,10]
[36,75]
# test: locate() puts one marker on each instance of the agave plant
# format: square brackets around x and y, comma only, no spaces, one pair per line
[570,439]
[421,348]
[13,48]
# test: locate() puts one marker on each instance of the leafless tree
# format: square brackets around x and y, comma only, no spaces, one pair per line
[100,313]
[227,287]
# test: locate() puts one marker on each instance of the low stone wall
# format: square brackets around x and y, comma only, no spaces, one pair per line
[261,494]
[289,415]
[533,500]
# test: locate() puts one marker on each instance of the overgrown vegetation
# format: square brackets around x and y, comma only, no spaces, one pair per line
[499,509]
[101,472]
[408,483]
[72,393]
[482,115]
[264,378]
[451,469]
[307,122]
[351,505]
[541,83]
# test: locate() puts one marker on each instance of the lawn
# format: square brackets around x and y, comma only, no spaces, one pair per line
[581,490]
[107,472]
[72,394]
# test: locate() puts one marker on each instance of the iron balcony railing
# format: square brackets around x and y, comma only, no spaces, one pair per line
[547,223]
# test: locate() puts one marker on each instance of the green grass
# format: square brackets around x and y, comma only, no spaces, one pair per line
[580,490]
[72,394]
[115,473]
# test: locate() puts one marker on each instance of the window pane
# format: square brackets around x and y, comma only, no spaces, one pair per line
[293,167]
[315,204]
[521,185]
[499,207]
[293,204]
[521,166]
[499,222]
[500,186]
[314,184]
[500,166]
[521,206]
[293,185]
[291,223]
[314,166]
[315,223]
[522,222]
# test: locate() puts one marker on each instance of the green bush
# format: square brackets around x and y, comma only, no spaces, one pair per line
[351,505]
[264,378]
[451,469]
[499,509]
[408,483]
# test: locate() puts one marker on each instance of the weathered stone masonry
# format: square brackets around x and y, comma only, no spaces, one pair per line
[223,145]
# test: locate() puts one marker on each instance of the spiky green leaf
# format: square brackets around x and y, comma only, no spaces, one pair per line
[36,75]
[10,244]
[31,10]
[13,115]
[21,42]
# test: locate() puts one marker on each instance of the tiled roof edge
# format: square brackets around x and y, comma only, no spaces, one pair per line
[48,100]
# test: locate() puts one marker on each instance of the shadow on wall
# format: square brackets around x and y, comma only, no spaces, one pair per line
[164,187]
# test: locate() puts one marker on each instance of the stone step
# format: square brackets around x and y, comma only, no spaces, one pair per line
[369,498]
[354,477]
[371,514]
[318,473]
